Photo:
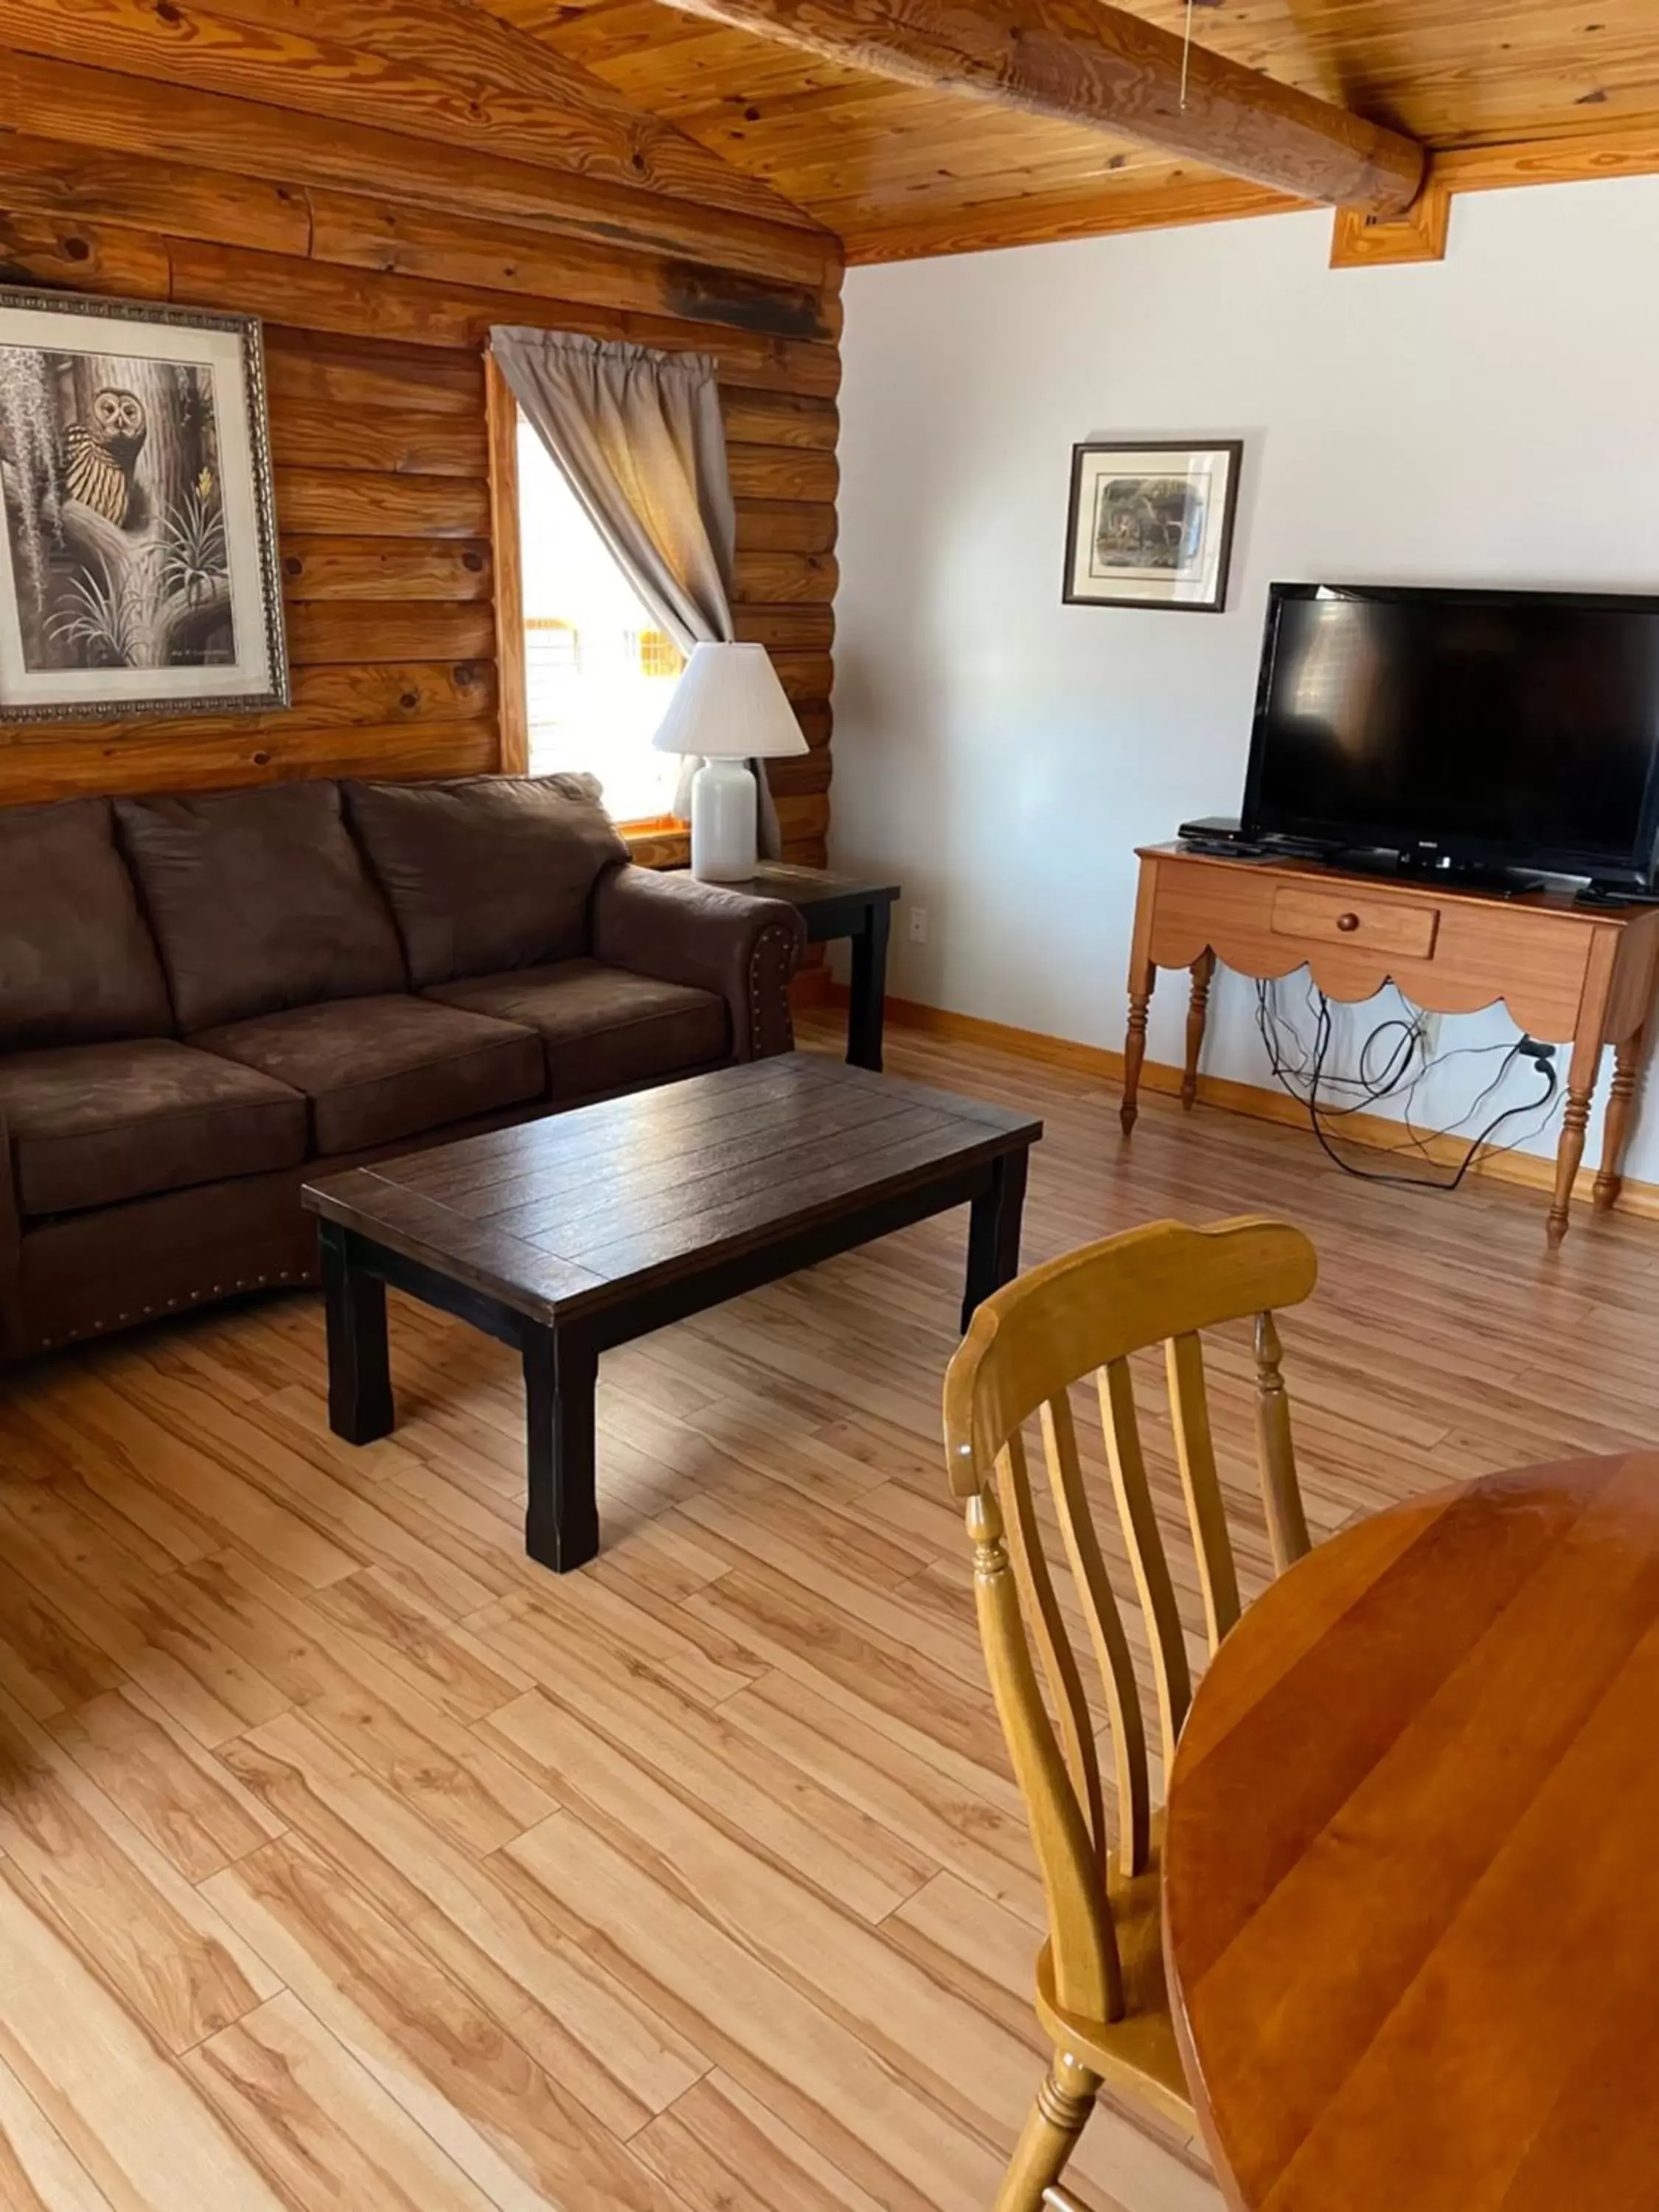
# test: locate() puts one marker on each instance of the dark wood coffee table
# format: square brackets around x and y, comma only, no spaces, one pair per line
[568,1235]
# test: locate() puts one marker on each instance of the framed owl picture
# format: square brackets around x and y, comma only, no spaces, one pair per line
[139,571]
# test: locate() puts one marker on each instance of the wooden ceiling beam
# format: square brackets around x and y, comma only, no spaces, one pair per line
[1085,62]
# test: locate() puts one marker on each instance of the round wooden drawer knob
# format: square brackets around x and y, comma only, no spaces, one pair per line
[1347,921]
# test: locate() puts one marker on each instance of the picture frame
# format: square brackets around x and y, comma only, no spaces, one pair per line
[138,566]
[1151,523]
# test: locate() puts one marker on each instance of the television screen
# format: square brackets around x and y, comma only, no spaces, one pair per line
[1519,728]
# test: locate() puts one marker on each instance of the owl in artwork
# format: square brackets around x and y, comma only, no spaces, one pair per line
[99,456]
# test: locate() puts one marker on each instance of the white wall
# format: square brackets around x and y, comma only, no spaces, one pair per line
[1491,418]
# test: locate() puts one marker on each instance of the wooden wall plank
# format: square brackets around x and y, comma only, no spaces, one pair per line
[387,569]
[786,629]
[42,249]
[807,817]
[102,258]
[92,105]
[44,177]
[398,240]
[352,375]
[370,503]
[376,693]
[225,754]
[331,696]
[322,433]
[325,297]
[785,579]
[785,525]
[362,629]
[780,418]
[799,775]
[783,472]
[299,60]
[804,675]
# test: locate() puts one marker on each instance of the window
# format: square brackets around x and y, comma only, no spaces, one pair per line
[599,674]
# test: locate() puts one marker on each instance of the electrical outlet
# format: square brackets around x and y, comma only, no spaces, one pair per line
[918,925]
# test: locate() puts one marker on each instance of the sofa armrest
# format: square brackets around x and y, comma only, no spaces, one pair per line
[745,948]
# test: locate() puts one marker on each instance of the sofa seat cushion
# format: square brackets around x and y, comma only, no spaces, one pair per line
[377,1069]
[602,1028]
[94,1124]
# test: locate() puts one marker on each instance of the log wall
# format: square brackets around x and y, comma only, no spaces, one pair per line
[382,197]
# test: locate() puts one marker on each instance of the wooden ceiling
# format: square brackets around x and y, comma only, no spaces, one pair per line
[897,171]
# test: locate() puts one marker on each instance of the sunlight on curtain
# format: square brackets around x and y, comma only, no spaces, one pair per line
[599,674]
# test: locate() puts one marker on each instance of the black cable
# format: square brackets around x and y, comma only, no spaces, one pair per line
[1372,1087]
[1411,1038]
[1552,1084]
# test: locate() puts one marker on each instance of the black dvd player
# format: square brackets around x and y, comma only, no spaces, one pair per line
[1219,834]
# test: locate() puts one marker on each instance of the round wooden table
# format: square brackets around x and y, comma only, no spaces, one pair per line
[1410,1860]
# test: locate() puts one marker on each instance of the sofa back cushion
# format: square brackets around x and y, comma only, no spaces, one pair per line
[488,873]
[259,900]
[77,965]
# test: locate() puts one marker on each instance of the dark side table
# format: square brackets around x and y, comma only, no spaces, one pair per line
[841,906]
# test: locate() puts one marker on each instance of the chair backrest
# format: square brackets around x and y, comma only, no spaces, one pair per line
[1082,1315]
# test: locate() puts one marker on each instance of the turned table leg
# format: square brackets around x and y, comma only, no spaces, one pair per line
[1570,1152]
[1621,1111]
[1197,1008]
[1142,981]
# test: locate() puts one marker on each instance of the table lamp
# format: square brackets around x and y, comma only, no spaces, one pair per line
[730,707]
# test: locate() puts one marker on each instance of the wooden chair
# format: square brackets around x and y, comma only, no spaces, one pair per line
[1100,1988]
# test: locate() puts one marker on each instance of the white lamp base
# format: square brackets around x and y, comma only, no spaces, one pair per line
[723,803]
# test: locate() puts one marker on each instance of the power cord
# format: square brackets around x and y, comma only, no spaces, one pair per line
[1395,1077]
[1372,1086]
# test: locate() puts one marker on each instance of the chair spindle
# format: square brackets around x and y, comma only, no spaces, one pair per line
[1106,1632]
[1190,1412]
[1088,1976]
[1060,1670]
[1146,1555]
[1288,1524]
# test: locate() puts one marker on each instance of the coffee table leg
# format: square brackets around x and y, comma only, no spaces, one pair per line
[562,1525]
[994,1233]
[359,1368]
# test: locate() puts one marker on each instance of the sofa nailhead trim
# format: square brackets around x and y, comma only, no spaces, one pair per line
[780,939]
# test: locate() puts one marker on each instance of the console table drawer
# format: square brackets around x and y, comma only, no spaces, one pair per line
[1389,926]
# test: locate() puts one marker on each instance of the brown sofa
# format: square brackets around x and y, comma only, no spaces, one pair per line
[205,1000]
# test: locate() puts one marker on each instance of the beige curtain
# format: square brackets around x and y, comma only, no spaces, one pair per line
[639,438]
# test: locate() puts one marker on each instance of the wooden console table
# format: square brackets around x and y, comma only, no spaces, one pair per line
[1569,975]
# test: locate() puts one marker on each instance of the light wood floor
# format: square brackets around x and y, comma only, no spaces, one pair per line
[348,1862]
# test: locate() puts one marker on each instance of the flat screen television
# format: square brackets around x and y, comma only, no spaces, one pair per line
[1483,728]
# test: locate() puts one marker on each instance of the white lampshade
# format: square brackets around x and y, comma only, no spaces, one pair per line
[729,705]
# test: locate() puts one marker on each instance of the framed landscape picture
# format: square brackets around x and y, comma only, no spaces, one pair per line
[1151,524]
[138,558]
